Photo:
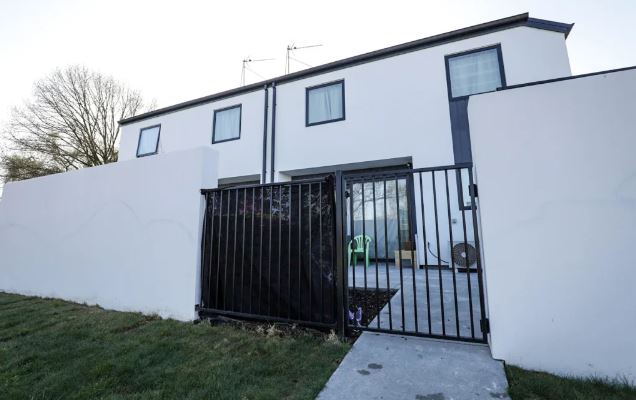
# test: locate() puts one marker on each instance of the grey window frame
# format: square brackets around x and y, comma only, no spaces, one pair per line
[240,107]
[502,72]
[156,144]
[344,107]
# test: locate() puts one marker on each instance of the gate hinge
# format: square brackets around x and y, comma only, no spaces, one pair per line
[473,190]
[485,325]
[346,193]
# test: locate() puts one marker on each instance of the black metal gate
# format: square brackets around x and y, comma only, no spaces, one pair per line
[391,251]
[416,233]
[268,252]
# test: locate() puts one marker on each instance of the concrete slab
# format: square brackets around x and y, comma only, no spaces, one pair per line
[390,367]
[424,296]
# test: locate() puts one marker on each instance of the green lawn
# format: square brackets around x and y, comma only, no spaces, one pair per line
[61,350]
[52,349]
[532,385]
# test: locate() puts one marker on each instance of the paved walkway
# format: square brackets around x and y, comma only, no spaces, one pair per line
[390,367]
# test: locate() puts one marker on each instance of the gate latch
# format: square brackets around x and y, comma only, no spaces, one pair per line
[485,325]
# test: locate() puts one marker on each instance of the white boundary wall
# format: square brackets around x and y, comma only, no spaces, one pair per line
[125,236]
[556,168]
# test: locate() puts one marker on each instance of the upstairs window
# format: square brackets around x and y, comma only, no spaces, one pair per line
[227,124]
[475,71]
[148,143]
[325,103]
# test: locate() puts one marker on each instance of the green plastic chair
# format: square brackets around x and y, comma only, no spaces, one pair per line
[360,249]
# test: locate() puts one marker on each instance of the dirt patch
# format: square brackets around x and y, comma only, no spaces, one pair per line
[364,305]
[274,329]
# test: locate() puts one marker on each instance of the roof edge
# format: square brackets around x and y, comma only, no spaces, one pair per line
[564,78]
[550,25]
[431,41]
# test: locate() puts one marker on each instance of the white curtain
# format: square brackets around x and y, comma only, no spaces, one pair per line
[325,103]
[227,124]
[148,141]
[474,73]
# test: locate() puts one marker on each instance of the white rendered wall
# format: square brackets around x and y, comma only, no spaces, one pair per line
[192,127]
[125,236]
[557,194]
[398,106]
[395,107]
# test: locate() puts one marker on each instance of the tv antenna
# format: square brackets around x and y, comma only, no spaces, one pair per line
[290,50]
[245,67]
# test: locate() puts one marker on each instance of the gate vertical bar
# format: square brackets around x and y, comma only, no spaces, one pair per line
[428,294]
[269,253]
[414,262]
[218,251]
[473,206]
[204,255]
[234,251]
[452,257]
[260,252]
[439,261]
[386,254]
[364,236]
[322,293]
[340,281]
[209,294]
[309,256]
[399,252]
[252,247]
[300,249]
[243,249]
[289,258]
[470,291]
[375,253]
[352,257]
[280,240]
[227,246]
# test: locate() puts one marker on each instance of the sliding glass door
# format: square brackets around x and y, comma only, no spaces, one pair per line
[379,206]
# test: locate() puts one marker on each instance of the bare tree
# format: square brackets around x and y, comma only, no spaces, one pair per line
[70,123]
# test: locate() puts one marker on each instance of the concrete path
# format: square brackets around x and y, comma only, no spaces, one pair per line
[390,367]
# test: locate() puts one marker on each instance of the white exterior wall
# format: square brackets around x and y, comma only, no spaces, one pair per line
[192,127]
[557,196]
[125,236]
[398,106]
[395,107]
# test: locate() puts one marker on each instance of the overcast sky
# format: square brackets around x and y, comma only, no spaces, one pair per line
[178,50]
